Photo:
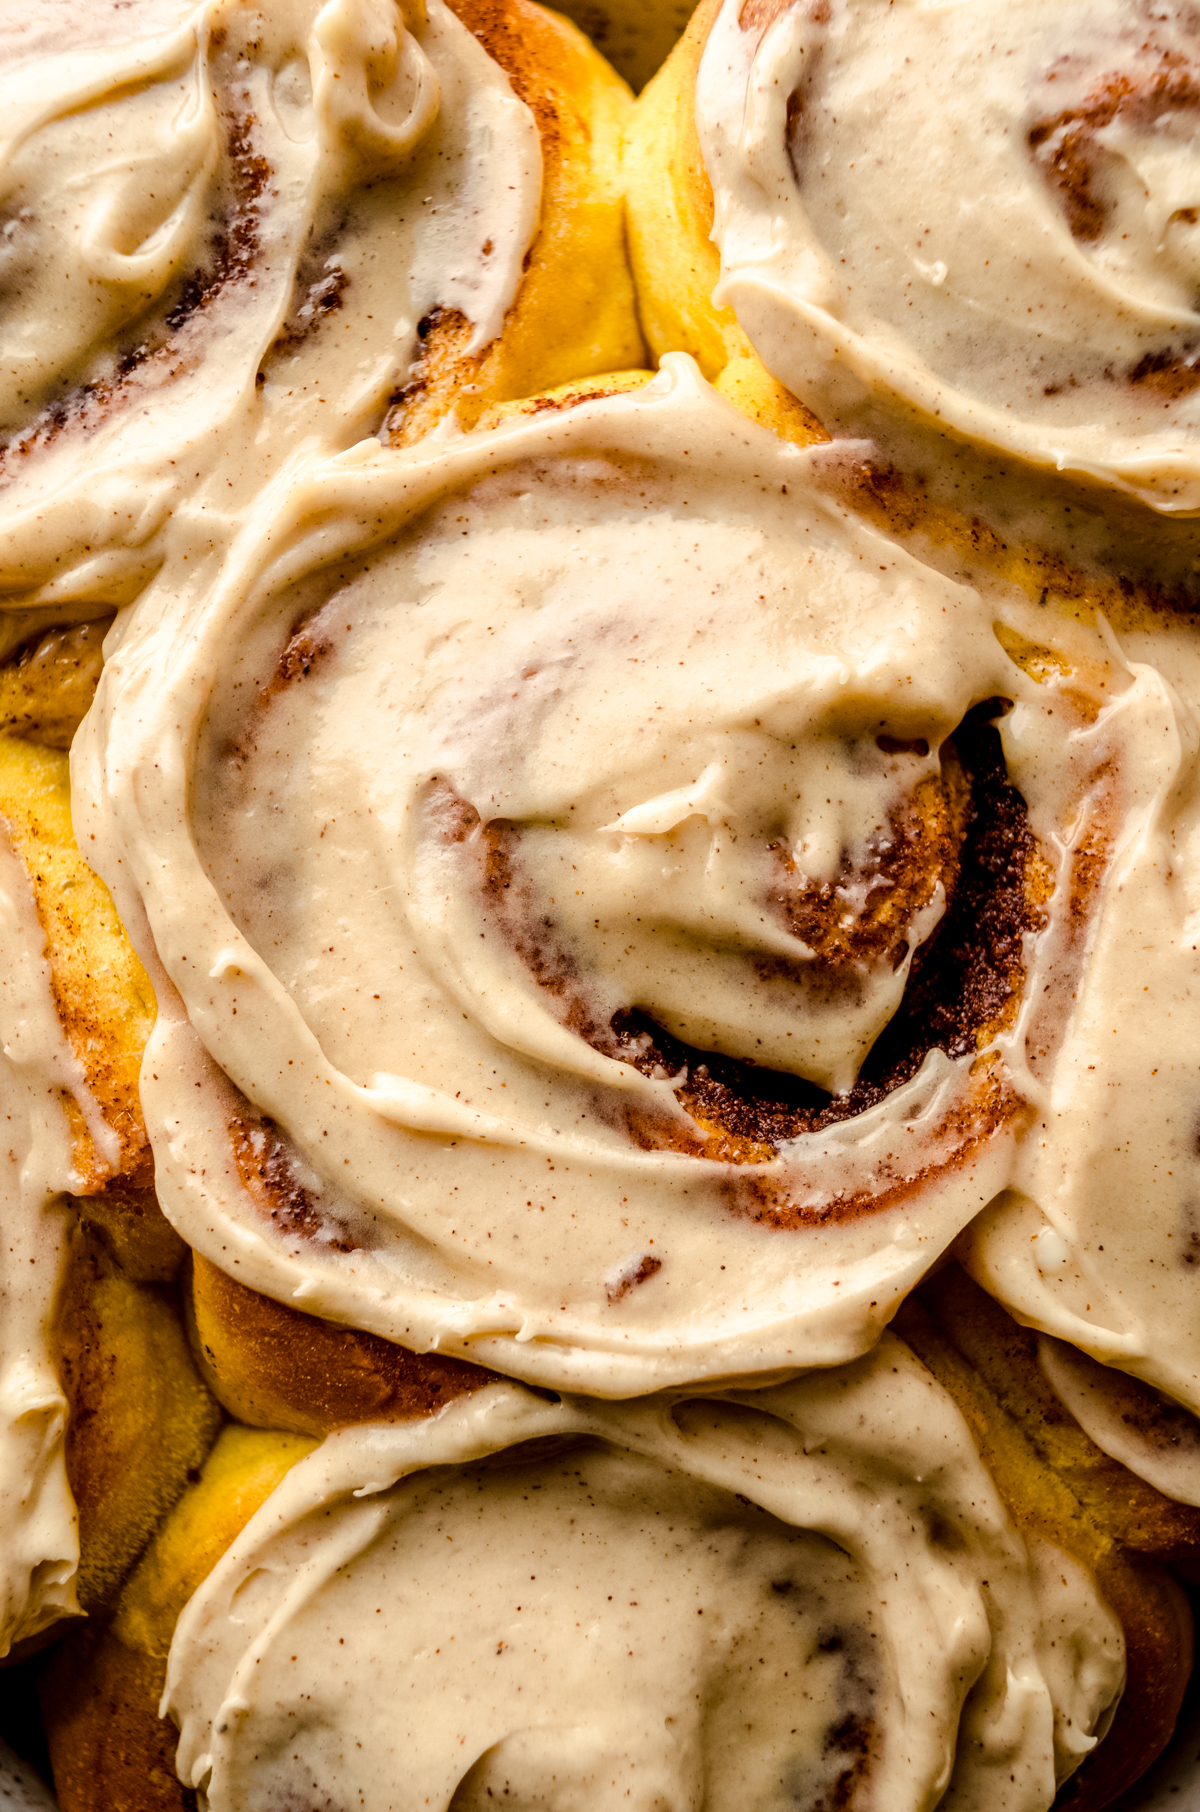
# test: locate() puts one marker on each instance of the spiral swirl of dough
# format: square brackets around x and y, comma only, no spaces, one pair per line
[606,918]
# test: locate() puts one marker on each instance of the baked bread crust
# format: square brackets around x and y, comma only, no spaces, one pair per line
[275,1367]
[574,313]
[676,266]
[1059,1486]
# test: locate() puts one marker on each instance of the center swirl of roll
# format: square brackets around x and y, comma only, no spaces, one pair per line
[583,868]
[756,932]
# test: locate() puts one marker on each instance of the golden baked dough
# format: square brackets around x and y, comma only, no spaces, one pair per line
[102,993]
[47,684]
[675,264]
[574,313]
[1058,1485]
[141,1420]
[100,1697]
[275,1367]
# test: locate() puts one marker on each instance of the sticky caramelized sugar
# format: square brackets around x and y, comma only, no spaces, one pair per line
[966,830]
[864,914]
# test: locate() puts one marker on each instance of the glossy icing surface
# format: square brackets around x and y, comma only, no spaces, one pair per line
[1016,262]
[221,228]
[824,1565]
[470,766]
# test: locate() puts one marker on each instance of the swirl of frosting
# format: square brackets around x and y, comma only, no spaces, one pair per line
[1097,1241]
[1016,259]
[38,1073]
[826,1564]
[219,230]
[484,782]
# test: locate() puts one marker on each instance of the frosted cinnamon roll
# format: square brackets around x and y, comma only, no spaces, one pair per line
[1095,1241]
[1014,262]
[76,1009]
[227,233]
[810,1595]
[612,912]
[103,1411]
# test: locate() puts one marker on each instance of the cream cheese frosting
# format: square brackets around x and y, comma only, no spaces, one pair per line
[983,214]
[1094,1241]
[1143,1429]
[578,1605]
[474,825]
[220,228]
[38,1069]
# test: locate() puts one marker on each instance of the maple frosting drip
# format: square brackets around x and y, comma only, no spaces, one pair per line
[1016,258]
[597,1620]
[39,1540]
[219,230]
[529,836]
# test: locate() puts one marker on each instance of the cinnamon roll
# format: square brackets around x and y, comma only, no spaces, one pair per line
[76,1009]
[140,1420]
[1013,262]
[1060,1486]
[629,1590]
[229,235]
[612,912]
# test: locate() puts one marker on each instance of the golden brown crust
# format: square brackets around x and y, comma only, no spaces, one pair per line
[1003,1357]
[676,266]
[1060,1488]
[47,685]
[135,1230]
[103,995]
[140,1418]
[275,1367]
[562,397]
[574,313]
[108,1749]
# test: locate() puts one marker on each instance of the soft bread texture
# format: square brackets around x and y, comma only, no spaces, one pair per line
[100,1698]
[102,993]
[676,266]
[48,683]
[1058,1486]
[141,1419]
[275,1367]
[574,313]
[635,38]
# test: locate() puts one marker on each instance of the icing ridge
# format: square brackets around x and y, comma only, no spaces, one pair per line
[435,693]
[1015,263]
[827,1561]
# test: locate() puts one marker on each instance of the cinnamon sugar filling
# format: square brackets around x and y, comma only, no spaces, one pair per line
[968,831]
